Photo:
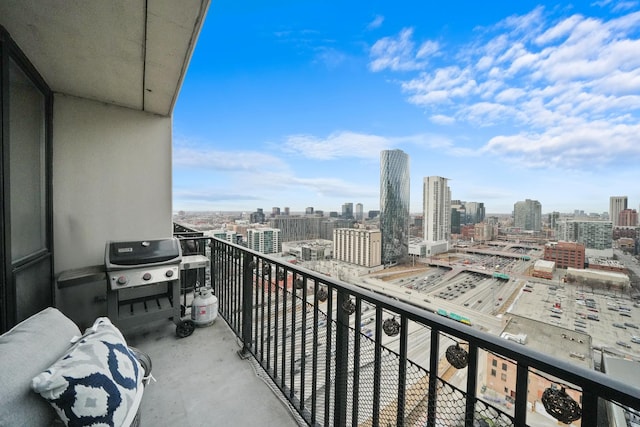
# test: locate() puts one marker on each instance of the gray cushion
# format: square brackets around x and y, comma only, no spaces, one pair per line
[25,351]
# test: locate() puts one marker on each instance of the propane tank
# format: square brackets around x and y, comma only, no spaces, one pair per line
[204,308]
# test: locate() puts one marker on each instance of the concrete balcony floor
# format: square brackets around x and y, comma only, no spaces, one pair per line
[201,380]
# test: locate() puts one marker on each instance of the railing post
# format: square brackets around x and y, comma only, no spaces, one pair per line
[522,382]
[342,361]
[247,295]
[589,409]
[472,379]
[432,397]
[402,373]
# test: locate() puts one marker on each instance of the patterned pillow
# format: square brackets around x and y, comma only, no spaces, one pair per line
[99,381]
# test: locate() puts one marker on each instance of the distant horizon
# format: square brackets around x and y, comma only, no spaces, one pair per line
[292,212]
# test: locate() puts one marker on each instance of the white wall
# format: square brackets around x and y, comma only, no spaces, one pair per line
[111,178]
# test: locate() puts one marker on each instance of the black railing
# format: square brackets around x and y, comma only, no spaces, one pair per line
[343,355]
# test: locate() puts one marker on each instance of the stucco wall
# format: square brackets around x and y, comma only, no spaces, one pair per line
[111,178]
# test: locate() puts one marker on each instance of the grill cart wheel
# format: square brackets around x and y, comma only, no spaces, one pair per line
[185,328]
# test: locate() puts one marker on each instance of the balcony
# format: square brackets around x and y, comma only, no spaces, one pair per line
[341,355]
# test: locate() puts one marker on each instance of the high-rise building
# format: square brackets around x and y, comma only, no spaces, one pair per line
[394,205]
[286,211]
[554,217]
[592,234]
[483,231]
[357,246]
[475,212]
[265,240]
[296,227]
[228,235]
[257,217]
[437,209]
[275,211]
[458,216]
[455,221]
[616,205]
[309,210]
[359,212]
[628,218]
[347,211]
[527,215]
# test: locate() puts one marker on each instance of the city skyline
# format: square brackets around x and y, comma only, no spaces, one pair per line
[285,105]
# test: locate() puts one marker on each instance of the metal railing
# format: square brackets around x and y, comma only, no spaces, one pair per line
[343,355]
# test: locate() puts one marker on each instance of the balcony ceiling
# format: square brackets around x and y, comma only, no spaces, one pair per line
[132,53]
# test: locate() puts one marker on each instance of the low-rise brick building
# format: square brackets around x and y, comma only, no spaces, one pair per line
[565,254]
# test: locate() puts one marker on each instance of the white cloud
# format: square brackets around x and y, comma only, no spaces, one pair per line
[427,49]
[441,119]
[208,158]
[594,143]
[443,85]
[510,95]
[524,25]
[399,53]
[213,195]
[567,88]
[335,187]
[625,5]
[558,31]
[376,23]
[337,145]
[330,57]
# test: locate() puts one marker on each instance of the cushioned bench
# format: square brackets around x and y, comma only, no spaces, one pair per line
[78,378]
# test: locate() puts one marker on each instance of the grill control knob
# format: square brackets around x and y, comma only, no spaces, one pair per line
[169,273]
[146,276]
[122,280]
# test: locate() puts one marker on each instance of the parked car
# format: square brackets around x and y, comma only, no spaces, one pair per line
[618,325]
[623,344]
[630,325]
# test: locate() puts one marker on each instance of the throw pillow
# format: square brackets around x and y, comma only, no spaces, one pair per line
[98,381]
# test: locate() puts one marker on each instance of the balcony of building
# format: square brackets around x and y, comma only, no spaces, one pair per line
[86,98]
[293,346]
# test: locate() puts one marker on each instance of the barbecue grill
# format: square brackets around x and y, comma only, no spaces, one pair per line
[144,282]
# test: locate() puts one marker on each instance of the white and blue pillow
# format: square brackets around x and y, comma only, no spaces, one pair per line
[97,382]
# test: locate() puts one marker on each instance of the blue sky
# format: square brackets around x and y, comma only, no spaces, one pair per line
[289,103]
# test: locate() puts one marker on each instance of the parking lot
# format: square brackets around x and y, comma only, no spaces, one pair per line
[611,319]
[465,283]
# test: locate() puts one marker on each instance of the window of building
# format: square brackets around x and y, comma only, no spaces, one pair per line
[25,202]
[503,377]
[504,366]
[493,372]
[494,362]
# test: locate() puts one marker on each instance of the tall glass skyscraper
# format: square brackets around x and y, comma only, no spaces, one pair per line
[394,205]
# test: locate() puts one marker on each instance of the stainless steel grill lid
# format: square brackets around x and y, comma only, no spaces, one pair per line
[139,253]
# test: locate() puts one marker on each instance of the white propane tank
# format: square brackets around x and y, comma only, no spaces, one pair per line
[204,308]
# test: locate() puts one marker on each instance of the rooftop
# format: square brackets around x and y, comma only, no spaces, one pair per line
[556,341]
